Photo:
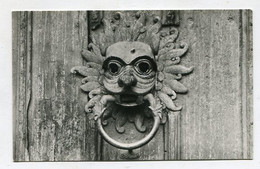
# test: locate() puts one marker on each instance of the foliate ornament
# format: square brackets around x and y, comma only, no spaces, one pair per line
[135,66]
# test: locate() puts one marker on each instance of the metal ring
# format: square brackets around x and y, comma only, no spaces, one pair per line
[135,145]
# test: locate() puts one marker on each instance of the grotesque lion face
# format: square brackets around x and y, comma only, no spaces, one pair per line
[130,71]
[126,73]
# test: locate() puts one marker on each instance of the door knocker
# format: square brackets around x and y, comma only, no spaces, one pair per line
[136,69]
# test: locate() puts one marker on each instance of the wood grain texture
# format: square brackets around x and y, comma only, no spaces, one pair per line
[50,123]
[246,64]
[21,82]
[211,119]
[172,137]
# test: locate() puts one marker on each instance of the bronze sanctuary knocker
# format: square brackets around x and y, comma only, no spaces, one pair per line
[138,71]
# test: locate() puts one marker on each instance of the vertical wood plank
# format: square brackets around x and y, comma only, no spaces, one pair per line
[49,111]
[172,136]
[58,118]
[211,119]
[246,54]
[21,82]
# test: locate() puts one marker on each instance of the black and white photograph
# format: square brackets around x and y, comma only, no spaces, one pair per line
[122,84]
[132,85]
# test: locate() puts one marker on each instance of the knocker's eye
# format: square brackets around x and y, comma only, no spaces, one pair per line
[143,66]
[114,67]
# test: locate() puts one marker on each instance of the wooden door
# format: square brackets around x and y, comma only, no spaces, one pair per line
[50,123]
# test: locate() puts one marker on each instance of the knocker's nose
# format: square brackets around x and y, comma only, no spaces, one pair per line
[127,80]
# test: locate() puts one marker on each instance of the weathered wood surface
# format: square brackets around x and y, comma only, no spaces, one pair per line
[49,119]
[246,64]
[21,82]
[51,124]
[214,122]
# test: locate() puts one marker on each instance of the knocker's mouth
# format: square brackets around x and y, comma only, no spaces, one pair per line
[129,99]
